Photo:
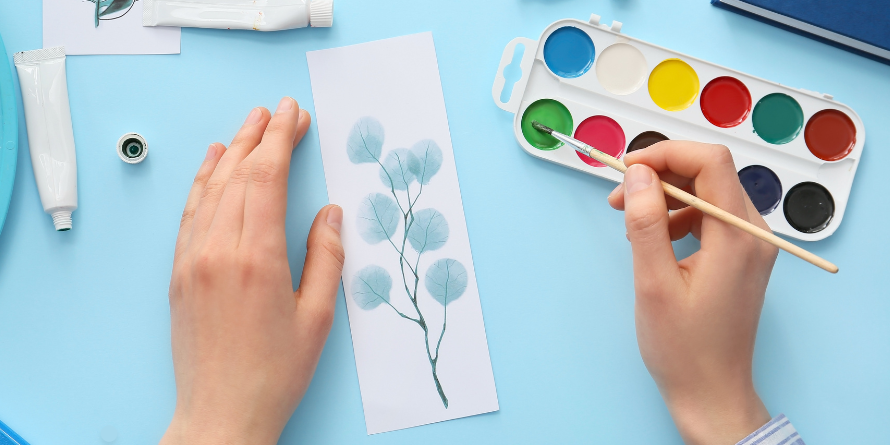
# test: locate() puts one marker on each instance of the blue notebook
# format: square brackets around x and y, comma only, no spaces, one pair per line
[861,26]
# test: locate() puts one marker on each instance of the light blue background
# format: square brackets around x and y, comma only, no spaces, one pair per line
[84,334]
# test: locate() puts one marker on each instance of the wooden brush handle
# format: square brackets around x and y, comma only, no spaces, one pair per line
[735,221]
[725,216]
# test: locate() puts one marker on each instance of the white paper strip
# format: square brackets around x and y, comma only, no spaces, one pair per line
[389,163]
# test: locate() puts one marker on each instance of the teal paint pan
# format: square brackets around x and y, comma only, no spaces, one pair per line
[9,134]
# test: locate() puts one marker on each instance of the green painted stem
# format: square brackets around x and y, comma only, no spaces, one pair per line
[439,388]
[408,221]
[433,363]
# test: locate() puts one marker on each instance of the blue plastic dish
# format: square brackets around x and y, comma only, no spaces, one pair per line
[8,436]
[9,134]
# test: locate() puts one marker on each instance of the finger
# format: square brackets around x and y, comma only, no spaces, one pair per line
[265,202]
[302,127]
[230,215]
[316,297]
[247,138]
[710,166]
[754,214]
[214,152]
[714,179]
[683,222]
[317,293]
[681,182]
[769,251]
[646,218]
[616,197]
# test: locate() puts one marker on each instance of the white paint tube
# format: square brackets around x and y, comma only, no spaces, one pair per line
[258,15]
[50,134]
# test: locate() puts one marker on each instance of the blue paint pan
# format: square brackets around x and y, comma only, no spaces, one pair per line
[9,134]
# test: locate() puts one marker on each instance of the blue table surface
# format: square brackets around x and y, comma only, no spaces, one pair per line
[84,334]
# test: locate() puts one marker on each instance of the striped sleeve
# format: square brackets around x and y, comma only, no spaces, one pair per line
[778,431]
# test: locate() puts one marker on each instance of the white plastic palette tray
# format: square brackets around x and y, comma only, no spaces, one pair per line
[635,111]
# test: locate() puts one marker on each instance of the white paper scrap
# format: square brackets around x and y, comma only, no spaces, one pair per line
[389,163]
[104,27]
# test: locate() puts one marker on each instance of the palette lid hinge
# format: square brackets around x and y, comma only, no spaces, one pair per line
[595,21]
[817,94]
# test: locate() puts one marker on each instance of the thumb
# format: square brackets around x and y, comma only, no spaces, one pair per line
[646,218]
[324,265]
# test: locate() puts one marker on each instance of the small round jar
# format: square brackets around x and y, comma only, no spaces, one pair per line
[132,148]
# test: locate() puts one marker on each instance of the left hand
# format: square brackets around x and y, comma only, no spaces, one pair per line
[245,345]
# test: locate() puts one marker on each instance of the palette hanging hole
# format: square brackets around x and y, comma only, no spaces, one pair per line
[569,52]
[512,73]
[602,133]
[809,207]
[645,139]
[763,187]
[551,113]
[621,69]
[777,118]
[726,102]
[673,85]
[830,135]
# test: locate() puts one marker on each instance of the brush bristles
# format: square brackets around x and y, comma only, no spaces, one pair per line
[541,127]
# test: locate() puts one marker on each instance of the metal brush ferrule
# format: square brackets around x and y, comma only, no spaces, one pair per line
[574,143]
[584,149]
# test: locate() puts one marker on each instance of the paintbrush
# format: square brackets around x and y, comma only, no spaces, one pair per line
[694,201]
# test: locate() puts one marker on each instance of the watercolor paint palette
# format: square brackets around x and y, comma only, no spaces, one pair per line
[796,150]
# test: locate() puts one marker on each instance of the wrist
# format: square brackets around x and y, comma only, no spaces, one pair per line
[721,417]
[211,430]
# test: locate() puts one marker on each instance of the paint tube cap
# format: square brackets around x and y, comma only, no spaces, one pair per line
[132,148]
[321,13]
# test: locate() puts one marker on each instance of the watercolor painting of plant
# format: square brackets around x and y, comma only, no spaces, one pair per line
[404,174]
[106,9]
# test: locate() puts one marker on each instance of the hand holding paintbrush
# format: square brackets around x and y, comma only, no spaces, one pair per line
[696,318]
[693,201]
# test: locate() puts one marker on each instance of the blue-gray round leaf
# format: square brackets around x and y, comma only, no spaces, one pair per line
[371,286]
[446,280]
[427,160]
[378,218]
[395,172]
[365,141]
[429,231]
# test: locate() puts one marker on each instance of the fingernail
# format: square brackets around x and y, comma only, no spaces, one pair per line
[335,218]
[636,178]
[211,152]
[286,104]
[254,116]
